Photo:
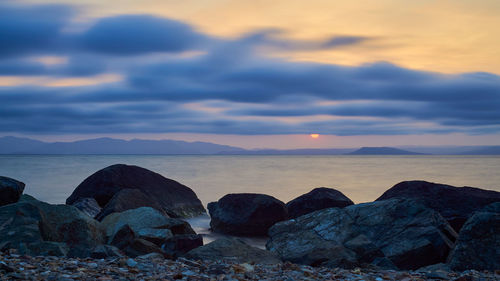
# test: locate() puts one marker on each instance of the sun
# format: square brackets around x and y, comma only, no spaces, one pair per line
[314,136]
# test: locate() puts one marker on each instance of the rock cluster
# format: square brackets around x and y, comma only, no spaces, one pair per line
[121,187]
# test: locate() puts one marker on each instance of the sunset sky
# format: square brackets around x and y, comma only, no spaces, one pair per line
[253,73]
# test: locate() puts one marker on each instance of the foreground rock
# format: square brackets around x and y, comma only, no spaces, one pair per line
[478,245]
[38,228]
[455,204]
[232,249]
[146,230]
[246,214]
[388,233]
[173,198]
[10,190]
[317,199]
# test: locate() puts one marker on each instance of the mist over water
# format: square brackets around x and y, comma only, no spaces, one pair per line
[52,178]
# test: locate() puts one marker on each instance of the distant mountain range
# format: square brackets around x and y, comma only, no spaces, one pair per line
[16,145]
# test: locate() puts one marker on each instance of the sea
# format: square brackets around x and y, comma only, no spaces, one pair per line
[52,178]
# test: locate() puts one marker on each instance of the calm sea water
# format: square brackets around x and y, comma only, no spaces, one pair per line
[52,178]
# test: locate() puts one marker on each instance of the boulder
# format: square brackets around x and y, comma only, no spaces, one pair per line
[127,199]
[180,244]
[478,244]
[455,204]
[246,214]
[317,199]
[30,225]
[88,206]
[140,247]
[10,190]
[175,199]
[399,232]
[232,249]
[144,218]
[106,251]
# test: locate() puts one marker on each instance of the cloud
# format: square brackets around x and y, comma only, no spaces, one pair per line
[139,34]
[237,87]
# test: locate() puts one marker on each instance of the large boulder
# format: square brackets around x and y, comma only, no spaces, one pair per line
[10,190]
[478,244]
[127,199]
[246,214]
[317,199]
[386,233]
[455,204]
[175,199]
[232,249]
[29,224]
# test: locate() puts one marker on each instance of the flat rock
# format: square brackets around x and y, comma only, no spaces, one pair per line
[246,214]
[10,190]
[232,249]
[175,199]
[455,204]
[405,232]
[478,244]
[317,199]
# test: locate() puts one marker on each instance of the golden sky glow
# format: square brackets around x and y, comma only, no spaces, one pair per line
[448,36]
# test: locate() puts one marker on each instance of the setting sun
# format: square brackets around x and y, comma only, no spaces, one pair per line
[314,136]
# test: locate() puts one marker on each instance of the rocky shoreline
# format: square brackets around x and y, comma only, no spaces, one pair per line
[154,267]
[128,223]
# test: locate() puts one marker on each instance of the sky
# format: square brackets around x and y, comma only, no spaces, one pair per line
[255,74]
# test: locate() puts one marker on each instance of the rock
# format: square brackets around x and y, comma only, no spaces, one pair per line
[157,236]
[455,204]
[233,249]
[145,219]
[32,226]
[106,251]
[181,244]
[317,199]
[127,199]
[141,247]
[478,244]
[403,231]
[246,214]
[131,262]
[88,206]
[123,237]
[10,190]
[174,198]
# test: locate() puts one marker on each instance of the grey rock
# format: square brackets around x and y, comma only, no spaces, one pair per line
[10,190]
[478,244]
[106,251]
[141,247]
[123,237]
[317,199]
[403,231]
[246,214]
[233,249]
[455,204]
[176,200]
[157,236]
[137,219]
[88,206]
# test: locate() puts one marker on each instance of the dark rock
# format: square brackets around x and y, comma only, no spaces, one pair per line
[403,231]
[10,190]
[478,244]
[106,251]
[317,199]
[181,244]
[127,199]
[157,236]
[175,199]
[32,227]
[455,204]
[88,206]
[246,214]
[141,247]
[123,237]
[233,249]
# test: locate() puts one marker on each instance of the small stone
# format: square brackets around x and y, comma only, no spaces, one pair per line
[5,267]
[131,262]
